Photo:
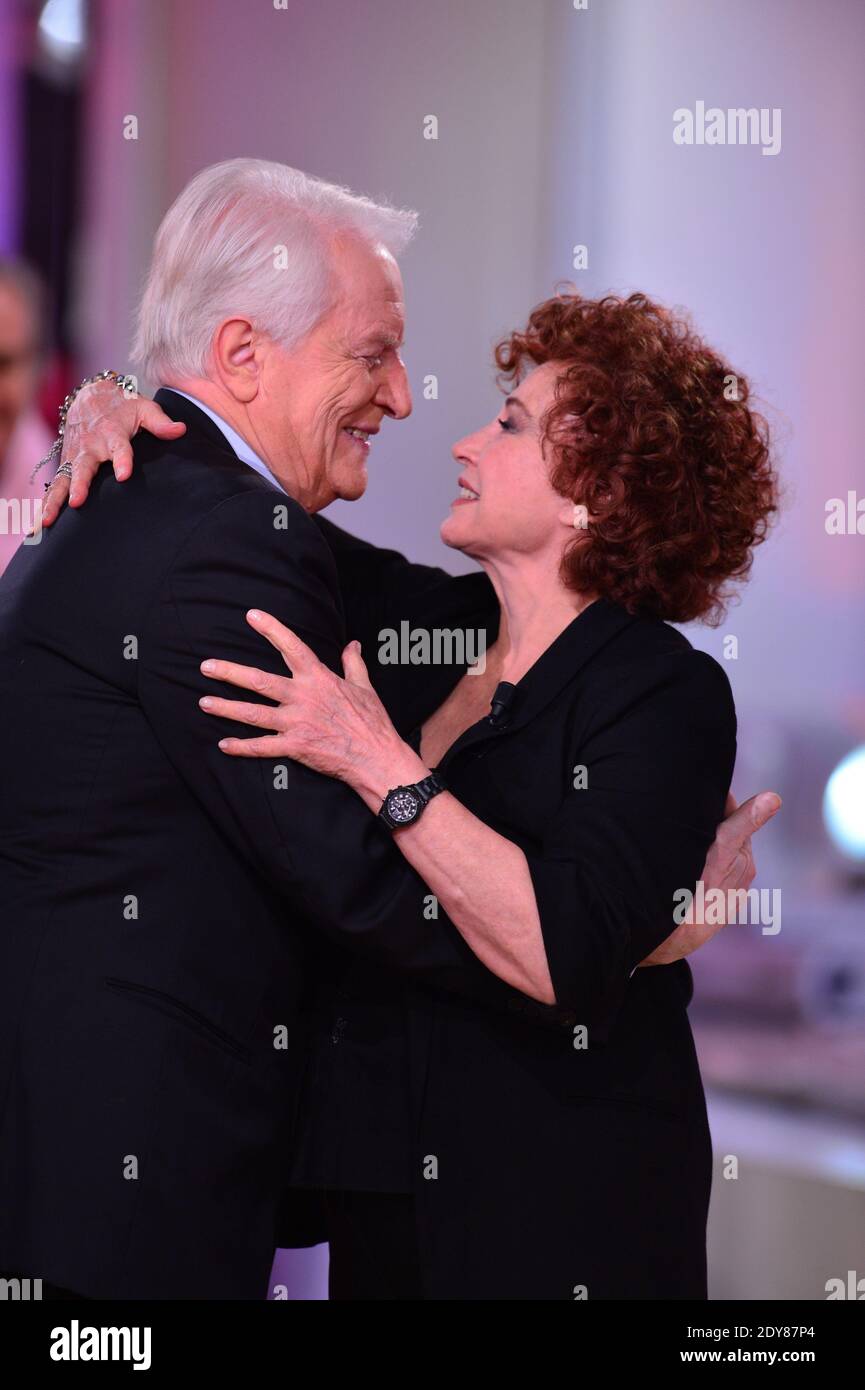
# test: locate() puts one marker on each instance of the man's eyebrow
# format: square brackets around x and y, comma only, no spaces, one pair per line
[515,400]
[387,338]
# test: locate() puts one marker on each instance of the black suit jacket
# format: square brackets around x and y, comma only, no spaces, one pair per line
[155,893]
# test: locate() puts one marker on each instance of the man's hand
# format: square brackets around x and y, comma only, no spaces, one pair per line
[100,426]
[729,864]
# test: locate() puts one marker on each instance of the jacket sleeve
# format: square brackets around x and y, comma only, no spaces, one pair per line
[376,582]
[383,593]
[310,836]
[658,762]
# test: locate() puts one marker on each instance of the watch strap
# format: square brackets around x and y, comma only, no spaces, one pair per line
[430,787]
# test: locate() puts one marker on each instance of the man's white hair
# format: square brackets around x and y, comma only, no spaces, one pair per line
[249,237]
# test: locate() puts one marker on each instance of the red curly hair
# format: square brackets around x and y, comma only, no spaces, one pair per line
[652,432]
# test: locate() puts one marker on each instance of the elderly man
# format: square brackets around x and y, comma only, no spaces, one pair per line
[163,902]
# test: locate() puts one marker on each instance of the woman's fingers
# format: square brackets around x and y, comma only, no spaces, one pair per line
[248,678]
[84,470]
[354,666]
[271,746]
[259,716]
[121,460]
[54,500]
[74,490]
[296,654]
[152,417]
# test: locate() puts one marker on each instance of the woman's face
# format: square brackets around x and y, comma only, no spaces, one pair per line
[507,507]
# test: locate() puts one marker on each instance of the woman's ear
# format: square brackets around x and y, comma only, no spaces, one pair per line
[575,516]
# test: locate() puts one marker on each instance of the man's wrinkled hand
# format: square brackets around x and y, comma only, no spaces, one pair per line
[729,865]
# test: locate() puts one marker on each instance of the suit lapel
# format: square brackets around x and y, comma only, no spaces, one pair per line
[574,648]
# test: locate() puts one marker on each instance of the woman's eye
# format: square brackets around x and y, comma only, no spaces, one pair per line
[507,425]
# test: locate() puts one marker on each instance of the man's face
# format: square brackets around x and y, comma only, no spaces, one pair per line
[18,361]
[318,399]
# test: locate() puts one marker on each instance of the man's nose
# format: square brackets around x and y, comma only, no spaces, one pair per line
[394,394]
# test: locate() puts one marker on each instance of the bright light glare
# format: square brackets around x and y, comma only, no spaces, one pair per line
[844,805]
[62,29]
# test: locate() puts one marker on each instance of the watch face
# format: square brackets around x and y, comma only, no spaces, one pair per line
[403,806]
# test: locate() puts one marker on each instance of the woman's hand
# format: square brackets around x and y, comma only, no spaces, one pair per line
[338,727]
[101,423]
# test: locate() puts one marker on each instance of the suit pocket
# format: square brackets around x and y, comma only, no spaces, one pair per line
[181,1013]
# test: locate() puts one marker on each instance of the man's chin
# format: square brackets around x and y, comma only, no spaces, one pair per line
[350,484]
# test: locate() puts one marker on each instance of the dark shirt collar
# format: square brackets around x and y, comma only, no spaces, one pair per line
[590,631]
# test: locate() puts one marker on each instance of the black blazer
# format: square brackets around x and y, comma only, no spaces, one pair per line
[540,1167]
[155,893]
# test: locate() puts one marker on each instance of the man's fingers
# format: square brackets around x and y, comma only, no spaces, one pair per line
[749,872]
[295,654]
[153,418]
[764,808]
[735,829]
[730,804]
[750,816]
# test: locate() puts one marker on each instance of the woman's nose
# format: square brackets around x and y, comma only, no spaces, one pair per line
[465,450]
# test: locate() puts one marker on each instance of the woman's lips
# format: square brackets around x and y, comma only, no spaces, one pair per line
[466,494]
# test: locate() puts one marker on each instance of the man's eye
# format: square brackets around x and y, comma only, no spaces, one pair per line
[507,425]
[373,362]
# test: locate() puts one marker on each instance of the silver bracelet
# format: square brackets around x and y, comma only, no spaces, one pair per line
[127,384]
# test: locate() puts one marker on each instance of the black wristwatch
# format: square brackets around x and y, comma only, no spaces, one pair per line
[403,805]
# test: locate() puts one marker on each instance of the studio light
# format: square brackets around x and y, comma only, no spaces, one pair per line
[844,806]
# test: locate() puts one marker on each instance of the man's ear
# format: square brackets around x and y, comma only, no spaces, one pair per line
[236,359]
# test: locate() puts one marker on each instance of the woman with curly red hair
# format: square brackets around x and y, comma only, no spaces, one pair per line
[669,459]
[557,1149]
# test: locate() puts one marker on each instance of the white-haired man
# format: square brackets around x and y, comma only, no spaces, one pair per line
[155,896]
[161,900]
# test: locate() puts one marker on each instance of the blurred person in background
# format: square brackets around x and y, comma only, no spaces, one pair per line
[24,436]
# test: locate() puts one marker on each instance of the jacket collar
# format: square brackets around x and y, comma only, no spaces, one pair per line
[602,622]
[198,425]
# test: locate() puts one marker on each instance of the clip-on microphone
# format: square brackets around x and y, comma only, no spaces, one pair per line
[500,705]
